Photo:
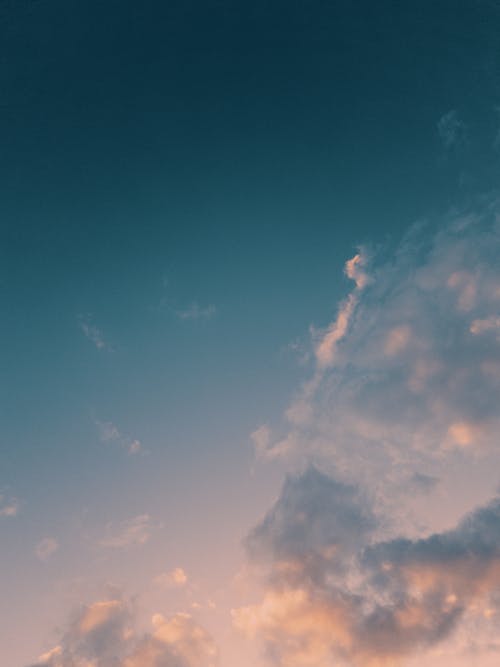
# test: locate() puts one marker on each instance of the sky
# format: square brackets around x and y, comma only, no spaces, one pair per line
[250,341]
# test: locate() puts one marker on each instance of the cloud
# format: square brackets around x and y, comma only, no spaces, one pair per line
[315,512]
[102,634]
[9,506]
[196,312]
[452,130]
[130,533]
[261,440]
[326,348]
[175,642]
[488,325]
[420,482]
[408,374]
[110,433]
[46,548]
[176,578]
[401,402]
[335,591]
[92,332]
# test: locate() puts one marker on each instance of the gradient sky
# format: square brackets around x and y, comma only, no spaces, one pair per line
[250,367]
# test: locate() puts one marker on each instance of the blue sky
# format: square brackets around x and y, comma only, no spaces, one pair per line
[182,185]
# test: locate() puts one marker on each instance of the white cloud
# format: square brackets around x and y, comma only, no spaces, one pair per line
[46,548]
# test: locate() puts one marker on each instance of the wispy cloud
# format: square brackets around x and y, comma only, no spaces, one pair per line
[176,578]
[408,372]
[185,311]
[452,130]
[129,533]
[110,433]
[46,548]
[104,633]
[326,348]
[9,506]
[92,332]
[195,312]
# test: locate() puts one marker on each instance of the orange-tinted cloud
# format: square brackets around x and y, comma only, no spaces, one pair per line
[103,635]
[335,592]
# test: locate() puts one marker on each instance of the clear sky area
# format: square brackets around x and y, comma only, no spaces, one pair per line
[250,333]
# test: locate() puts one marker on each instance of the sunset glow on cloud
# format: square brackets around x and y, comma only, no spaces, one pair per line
[250,288]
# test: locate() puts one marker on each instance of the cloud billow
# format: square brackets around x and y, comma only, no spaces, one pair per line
[102,634]
[401,407]
[378,601]
[408,373]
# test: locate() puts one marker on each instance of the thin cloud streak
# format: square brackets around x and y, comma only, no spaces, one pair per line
[129,533]
[92,332]
[195,312]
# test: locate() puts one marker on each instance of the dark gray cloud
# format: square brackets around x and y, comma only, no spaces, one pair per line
[316,518]
[374,600]
[422,483]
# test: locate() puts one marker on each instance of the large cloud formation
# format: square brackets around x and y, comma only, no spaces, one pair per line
[408,373]
[102,635]
[402,403]
[336,593]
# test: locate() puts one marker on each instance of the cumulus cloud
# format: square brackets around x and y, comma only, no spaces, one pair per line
[334,590]
[129,533]
[408,373]
[315,513]
[102,634]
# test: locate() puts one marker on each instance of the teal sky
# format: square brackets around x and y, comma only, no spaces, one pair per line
[182,184]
